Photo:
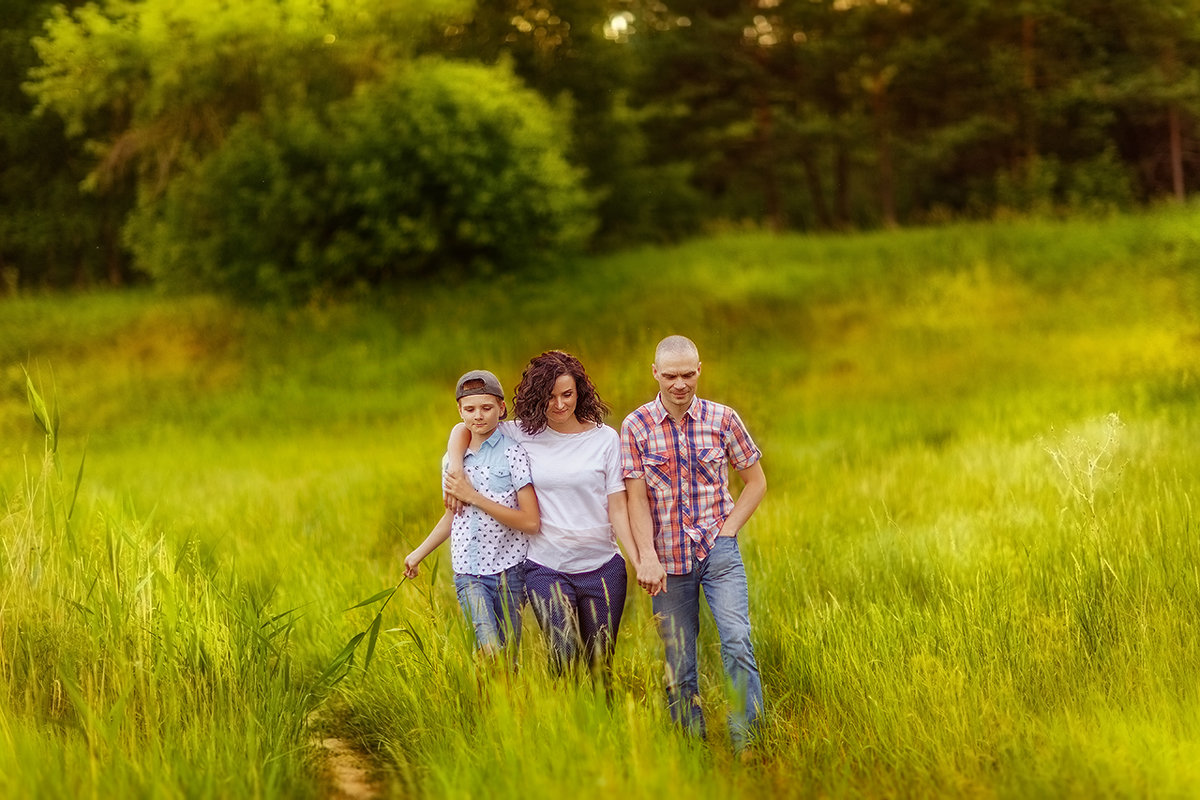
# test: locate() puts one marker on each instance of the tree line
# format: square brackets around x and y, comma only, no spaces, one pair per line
[284,147]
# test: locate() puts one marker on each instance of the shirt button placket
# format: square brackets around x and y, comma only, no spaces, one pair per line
[685,471]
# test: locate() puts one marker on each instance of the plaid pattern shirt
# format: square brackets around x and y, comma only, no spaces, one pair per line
[684,466]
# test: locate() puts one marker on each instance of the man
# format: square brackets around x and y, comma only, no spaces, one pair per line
[674,452]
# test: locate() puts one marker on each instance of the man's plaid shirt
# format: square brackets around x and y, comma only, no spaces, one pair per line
[684,466]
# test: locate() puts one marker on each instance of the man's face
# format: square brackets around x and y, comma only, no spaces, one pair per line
[481,413]
[677,376]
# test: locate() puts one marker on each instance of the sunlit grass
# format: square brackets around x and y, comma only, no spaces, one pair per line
[956,588]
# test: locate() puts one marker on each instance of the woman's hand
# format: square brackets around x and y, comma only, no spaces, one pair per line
[651,575]
[449,500]
[459,487]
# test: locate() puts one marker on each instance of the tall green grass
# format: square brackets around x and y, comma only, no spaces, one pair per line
[974,573]
[132,665]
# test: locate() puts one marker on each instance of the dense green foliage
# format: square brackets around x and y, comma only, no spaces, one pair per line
[839,112]
[443,168]
[684,116]
[968,578]
[155,87]
[160,84]
[51,234]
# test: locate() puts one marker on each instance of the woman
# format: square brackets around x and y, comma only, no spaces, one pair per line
[574,574]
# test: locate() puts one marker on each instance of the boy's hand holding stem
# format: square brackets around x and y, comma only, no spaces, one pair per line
[439,534]
[525,518]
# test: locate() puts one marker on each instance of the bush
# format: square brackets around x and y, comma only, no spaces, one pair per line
[1098,184]
[444,168]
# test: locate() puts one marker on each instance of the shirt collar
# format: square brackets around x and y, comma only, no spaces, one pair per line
[488,443]
[660,412]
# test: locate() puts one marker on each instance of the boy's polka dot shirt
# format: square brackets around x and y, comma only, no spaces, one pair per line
[479,545]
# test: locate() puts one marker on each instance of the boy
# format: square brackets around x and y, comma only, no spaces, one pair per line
[488,540]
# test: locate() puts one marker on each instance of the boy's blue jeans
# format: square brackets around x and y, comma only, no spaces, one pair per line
[722,577]
[493,604]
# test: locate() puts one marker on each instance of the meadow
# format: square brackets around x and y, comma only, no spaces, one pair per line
[976,572]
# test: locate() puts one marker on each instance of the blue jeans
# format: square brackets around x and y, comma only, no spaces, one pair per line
[493,604]
[722,576]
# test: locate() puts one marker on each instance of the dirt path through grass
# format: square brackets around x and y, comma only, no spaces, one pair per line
[345,771]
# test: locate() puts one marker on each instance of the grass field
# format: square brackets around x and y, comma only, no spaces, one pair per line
[976,572]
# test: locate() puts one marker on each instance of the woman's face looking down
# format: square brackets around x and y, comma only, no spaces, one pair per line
[560,411]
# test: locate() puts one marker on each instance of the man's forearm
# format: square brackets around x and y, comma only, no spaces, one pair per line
[747,503]
[640,522]
[650,572]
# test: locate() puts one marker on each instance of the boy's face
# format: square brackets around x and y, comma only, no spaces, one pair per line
[481,413]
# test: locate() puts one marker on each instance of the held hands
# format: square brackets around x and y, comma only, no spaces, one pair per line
[651,576]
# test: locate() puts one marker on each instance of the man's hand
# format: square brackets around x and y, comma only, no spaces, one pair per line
[651,576]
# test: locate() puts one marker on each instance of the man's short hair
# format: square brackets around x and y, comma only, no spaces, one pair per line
[676,345]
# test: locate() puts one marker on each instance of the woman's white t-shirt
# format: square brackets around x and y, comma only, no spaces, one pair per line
[573,474]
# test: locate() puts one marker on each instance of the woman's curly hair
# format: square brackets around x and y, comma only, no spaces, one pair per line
[537,385]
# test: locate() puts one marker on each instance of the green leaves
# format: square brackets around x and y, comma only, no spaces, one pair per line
[443,167]
[158,84]
[344,660]
[47,417]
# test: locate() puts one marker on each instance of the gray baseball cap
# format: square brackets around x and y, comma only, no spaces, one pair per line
[491,384]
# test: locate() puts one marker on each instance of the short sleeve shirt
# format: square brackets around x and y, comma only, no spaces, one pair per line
[479,544]
[685,466]
[574,474]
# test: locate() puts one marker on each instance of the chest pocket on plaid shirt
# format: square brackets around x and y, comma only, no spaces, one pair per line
[710,464]
[658,471]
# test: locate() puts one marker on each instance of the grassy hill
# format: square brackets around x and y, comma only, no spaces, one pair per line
[974,572]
